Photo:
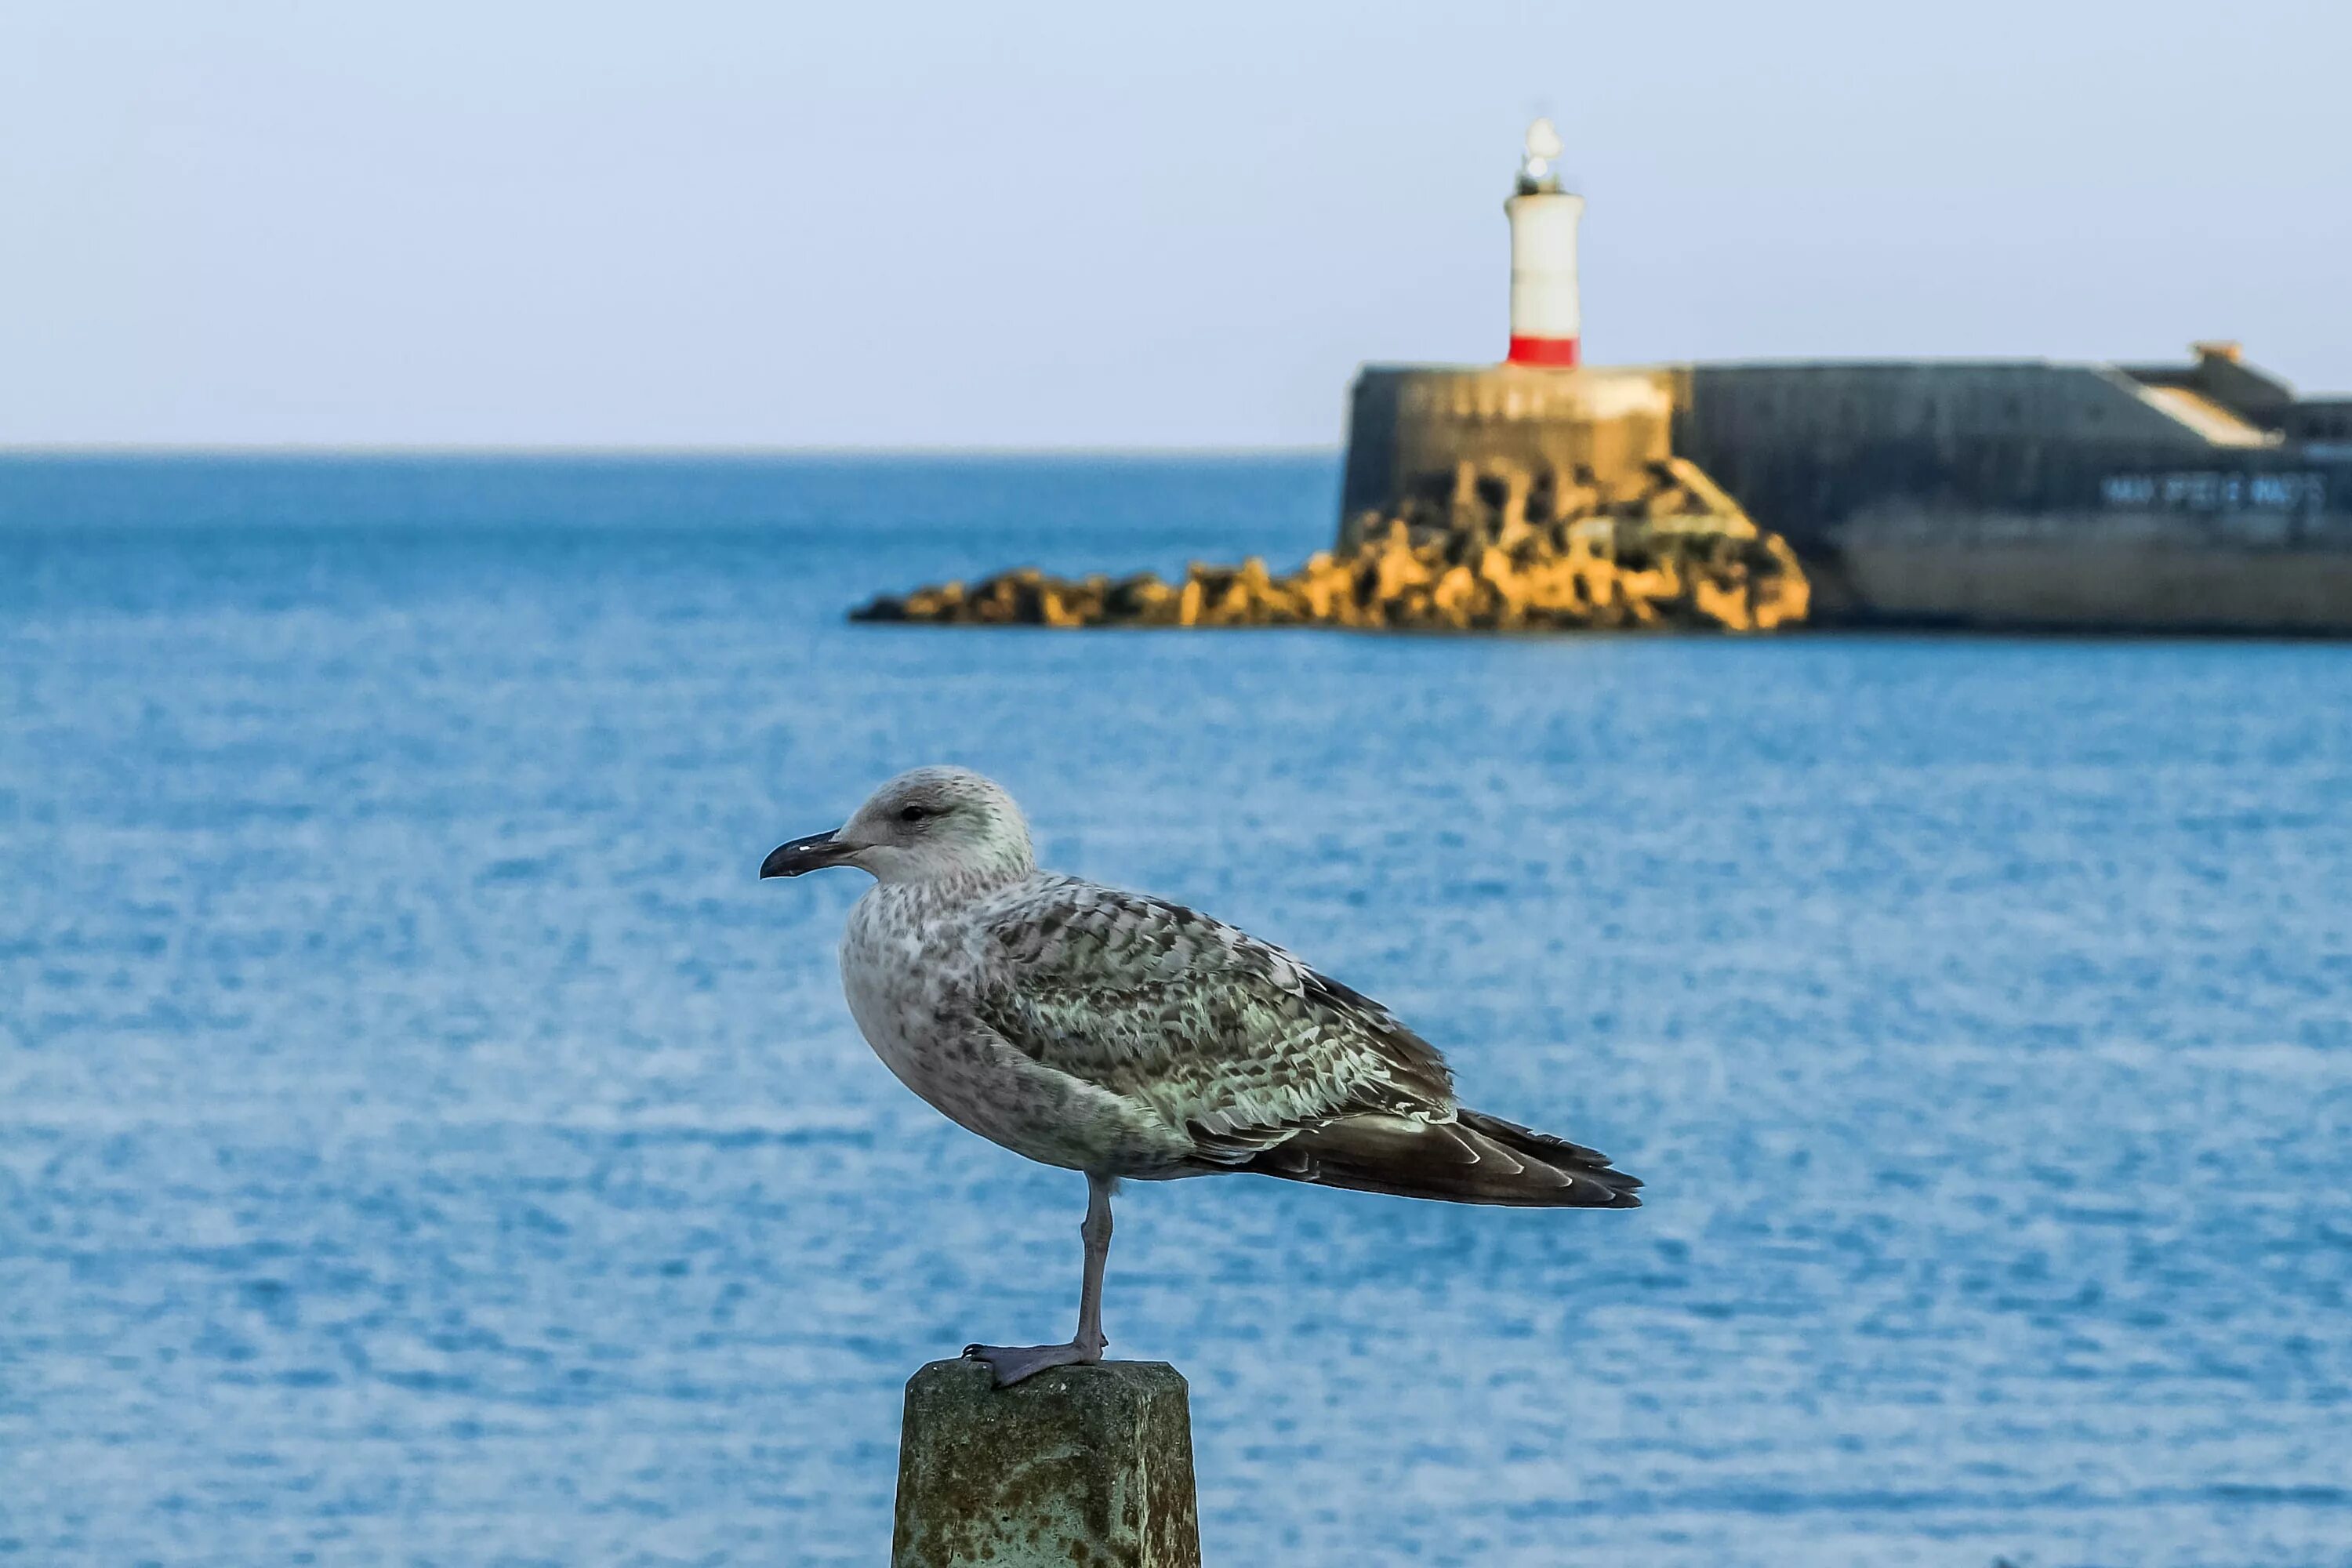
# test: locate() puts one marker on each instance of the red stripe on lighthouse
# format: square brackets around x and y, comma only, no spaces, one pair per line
[1558,353]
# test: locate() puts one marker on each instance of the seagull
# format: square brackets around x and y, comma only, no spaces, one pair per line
[1126,1036]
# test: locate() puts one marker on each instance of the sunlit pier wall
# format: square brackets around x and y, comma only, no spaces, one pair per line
[1418,434]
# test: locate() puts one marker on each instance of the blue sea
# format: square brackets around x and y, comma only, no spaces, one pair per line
[424,1139]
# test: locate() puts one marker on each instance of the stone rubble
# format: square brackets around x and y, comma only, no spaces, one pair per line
[1673,551]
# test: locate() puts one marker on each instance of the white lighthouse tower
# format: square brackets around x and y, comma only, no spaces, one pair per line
[1545,319]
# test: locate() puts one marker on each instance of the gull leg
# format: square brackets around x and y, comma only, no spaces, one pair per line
[1095,1232]
[1014,1362]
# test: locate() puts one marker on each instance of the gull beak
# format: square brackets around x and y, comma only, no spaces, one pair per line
[814,853]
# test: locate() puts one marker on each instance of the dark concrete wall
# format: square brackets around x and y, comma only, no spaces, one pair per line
[1805,447]
[2023,494]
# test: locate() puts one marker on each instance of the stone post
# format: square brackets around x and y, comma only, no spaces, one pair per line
[1081,1467]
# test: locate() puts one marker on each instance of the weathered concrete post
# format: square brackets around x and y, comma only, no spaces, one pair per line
[1081,1467]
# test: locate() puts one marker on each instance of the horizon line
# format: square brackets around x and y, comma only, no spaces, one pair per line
[629,449]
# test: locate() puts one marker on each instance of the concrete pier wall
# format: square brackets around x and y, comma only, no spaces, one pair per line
[2025,493]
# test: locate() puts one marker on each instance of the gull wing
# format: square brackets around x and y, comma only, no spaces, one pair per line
[1230,1038]
[1266,1065]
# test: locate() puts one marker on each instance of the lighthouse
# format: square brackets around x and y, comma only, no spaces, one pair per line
[1545,319]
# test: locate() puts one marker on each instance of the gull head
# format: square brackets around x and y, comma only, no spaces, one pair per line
[932,825]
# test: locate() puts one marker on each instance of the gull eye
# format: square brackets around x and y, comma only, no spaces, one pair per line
[912,814]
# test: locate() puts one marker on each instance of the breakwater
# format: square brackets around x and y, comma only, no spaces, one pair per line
[1658,545]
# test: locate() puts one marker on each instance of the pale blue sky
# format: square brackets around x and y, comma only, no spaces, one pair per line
[1019,225]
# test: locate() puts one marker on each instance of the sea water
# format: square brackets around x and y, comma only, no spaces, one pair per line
[424,1139]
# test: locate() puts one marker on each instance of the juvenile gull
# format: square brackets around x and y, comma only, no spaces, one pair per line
[1121,1035]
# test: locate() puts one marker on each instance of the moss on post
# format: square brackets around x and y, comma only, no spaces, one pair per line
[1081,1467]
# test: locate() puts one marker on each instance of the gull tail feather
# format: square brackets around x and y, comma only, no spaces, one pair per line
[1472,1159]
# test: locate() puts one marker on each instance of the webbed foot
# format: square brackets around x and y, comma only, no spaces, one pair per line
[1013,1362]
